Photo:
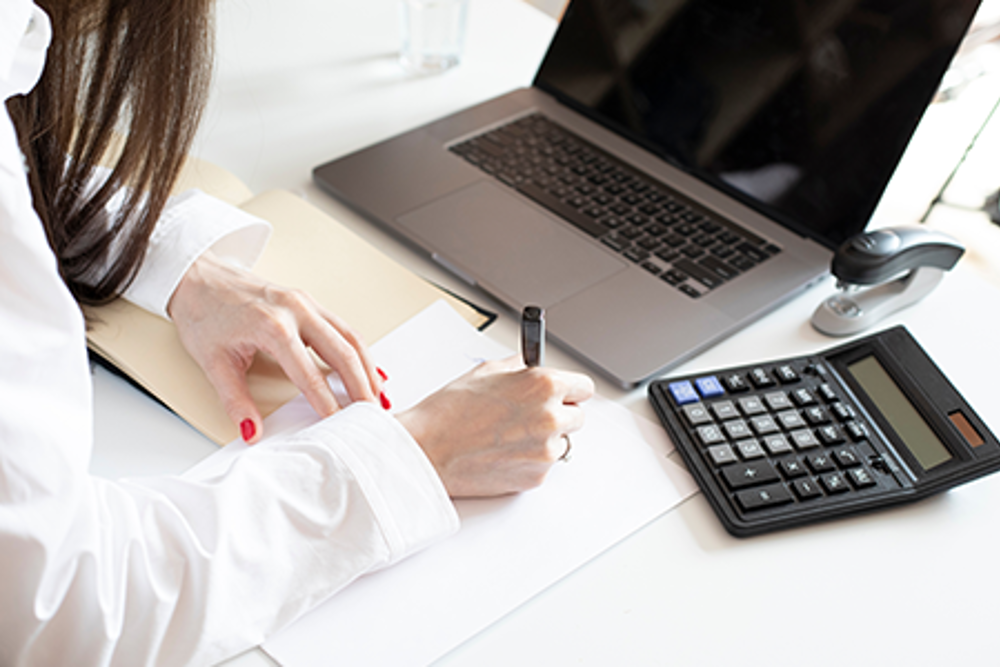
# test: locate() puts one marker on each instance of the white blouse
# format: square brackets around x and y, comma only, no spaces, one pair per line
[166,571]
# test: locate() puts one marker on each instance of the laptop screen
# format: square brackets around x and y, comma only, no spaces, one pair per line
[800,108]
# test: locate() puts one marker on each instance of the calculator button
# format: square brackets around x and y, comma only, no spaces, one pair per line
[816,415]
[710,435]
[786,374]
[806,489]
[683,392]
[777,400]
[834,483]
[846,457]
[710,387]
[827,392]
[764,424]
[820,463]
[737,429]
[735,383]
[761,378]
[696,413]
[791,420]
[804,439]
[750,449]
[830,435]
[856,430]
[803,396]
[842,411]
[768,496]
[722,455]
[860,478]
[776,444]
[751,405]
[724,410]
[750,474]
[792,468]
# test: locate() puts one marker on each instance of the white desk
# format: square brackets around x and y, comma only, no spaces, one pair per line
[303,81]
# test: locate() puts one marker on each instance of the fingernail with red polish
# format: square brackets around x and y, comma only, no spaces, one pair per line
[386,405]
[248,430]
[382,374]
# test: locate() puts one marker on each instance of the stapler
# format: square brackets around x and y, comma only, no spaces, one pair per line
[882,271]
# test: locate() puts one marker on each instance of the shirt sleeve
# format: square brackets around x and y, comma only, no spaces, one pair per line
[171,570]
[192,223]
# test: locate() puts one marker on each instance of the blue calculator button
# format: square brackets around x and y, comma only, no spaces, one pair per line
[683,392]
[710,387]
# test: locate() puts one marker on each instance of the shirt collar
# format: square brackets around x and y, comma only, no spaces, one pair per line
[25,32]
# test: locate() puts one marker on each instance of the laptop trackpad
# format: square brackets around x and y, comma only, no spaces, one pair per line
[509,246]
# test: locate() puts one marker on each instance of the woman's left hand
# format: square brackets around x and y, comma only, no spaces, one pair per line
[225,315]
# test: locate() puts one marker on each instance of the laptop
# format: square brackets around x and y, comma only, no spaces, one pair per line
[677,169]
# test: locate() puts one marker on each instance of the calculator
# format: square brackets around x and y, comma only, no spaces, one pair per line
[862,426]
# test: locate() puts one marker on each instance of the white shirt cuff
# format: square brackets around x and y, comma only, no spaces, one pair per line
[192,223]
[410,503]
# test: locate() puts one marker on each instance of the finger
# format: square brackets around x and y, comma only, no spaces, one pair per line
[577,387]
[229,380]
[294,359]
[571,418]
[341,349]
[376,379]
[505,365]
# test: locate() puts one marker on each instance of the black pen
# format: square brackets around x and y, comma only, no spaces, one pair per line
[533,336]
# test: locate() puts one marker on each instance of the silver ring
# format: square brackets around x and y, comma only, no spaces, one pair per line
[566,455]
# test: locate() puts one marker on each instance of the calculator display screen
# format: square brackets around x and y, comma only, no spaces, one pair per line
[911,427]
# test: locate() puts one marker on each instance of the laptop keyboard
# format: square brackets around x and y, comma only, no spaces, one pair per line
[639,217]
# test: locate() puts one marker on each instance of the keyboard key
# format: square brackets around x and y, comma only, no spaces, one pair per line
[792,468]
[861,478]
[834,483]
[718,267]
[856,431]
[696,414]
[777,400]
[830,435]
[710,387]
[791,420]
[683,392]
[749,450]
[820,463]
[750,474]
[804,439]
[724,410]
[722,455]
[761,378]
[803,397]
[816,415]
[769,496]
[846,457]
[764,424]
[806,489]
[787,374]
[710,434]
[842,411]
[737,429]
[776,444]
[557,206]
[827,393]
[701,274]
[735,383]
[751,405]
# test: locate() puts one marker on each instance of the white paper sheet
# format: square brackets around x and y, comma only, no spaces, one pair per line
[508,549]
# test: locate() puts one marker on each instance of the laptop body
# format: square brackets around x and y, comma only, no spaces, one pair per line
[775,122]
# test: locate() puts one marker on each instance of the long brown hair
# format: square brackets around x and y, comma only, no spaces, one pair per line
[130,70]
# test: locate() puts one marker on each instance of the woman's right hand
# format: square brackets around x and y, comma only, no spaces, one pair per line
[499,428]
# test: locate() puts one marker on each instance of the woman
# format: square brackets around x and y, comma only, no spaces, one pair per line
[161,570]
